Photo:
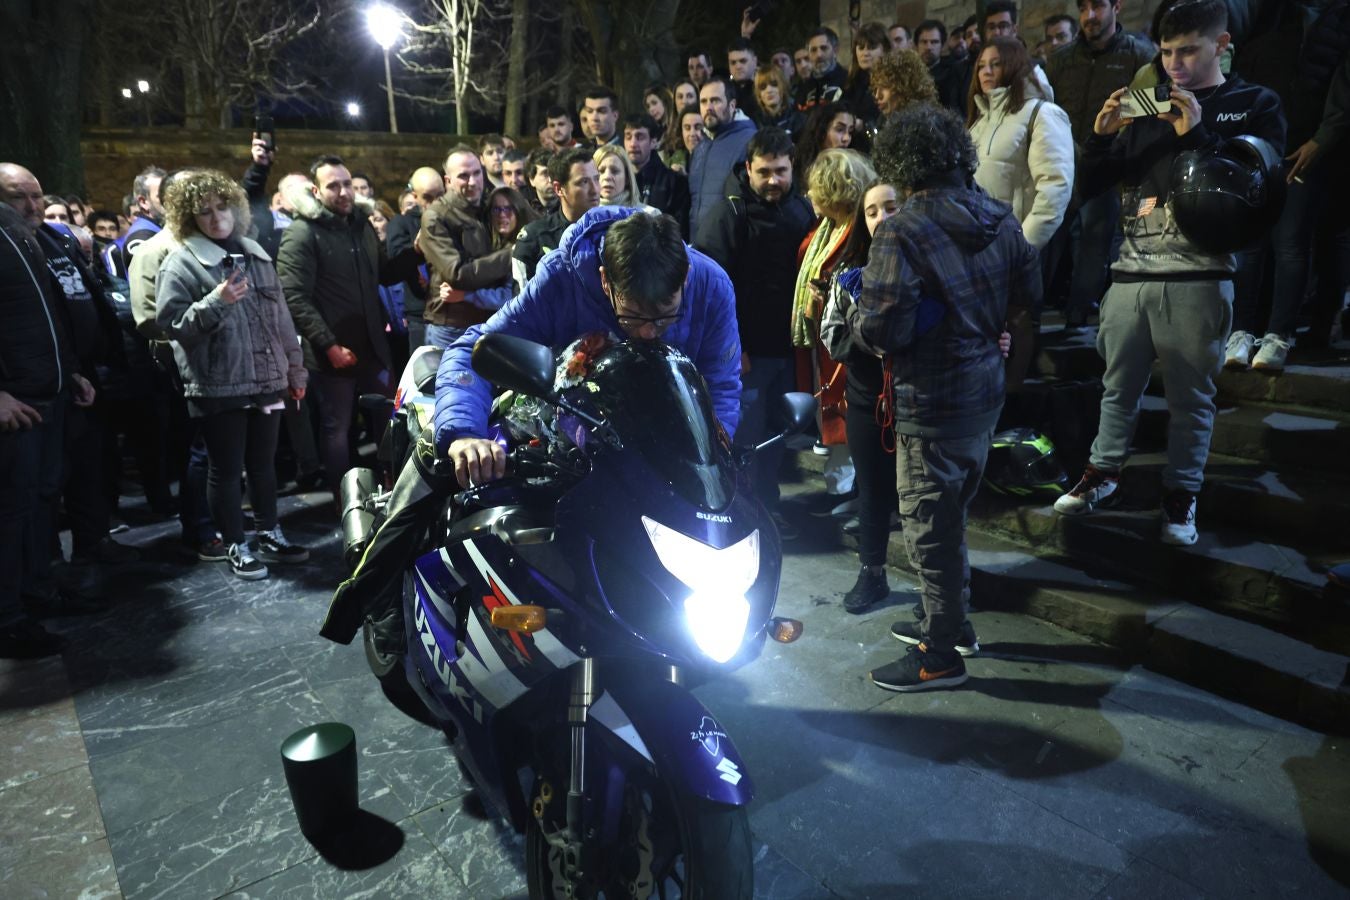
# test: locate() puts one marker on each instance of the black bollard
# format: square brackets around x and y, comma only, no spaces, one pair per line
[320,766]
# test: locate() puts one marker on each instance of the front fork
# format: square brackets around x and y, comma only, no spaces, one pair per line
[575,837]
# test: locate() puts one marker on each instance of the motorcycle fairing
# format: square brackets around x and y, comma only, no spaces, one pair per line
[664,723]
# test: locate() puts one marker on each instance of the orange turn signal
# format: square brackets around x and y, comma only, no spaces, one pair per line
[528,619]
[785,631]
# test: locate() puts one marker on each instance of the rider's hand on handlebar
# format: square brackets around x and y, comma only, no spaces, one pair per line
[477,460]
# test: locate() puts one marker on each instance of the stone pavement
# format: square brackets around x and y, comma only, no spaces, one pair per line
[144,763]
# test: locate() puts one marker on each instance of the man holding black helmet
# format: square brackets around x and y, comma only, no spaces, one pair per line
[1171,299]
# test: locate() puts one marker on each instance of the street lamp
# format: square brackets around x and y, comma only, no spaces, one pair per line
[354,109]
[386,26]
[144,87]
[126,92]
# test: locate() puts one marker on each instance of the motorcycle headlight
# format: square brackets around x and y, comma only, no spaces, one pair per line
[717,622]
[717,610]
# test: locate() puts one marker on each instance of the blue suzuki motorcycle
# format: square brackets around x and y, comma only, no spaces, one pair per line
[559,617]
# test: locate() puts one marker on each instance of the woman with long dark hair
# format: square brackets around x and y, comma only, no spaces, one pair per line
[1023,140]
[871,44]
[829,126]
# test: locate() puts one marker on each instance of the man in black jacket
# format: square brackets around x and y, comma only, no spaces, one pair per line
[37,379]
[331,266]
[754,234]
[827,80]
[1083,74]
[577,186]
[949,74]
[657,185]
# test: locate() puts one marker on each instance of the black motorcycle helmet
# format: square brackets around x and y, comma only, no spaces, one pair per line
[1022,463]
[1225,198]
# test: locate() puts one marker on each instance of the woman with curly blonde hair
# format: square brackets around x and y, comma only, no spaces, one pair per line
[900,80]
[834,185]
[219,301]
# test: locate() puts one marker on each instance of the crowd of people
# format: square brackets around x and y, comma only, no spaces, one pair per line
[893,226]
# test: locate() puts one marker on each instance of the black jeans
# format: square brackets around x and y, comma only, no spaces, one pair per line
[237,440]
[873,464]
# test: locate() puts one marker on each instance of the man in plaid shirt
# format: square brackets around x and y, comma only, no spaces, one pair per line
[945,275]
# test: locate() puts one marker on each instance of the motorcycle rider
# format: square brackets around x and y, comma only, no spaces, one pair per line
[618,271]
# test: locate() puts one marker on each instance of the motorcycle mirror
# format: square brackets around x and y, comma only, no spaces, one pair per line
[515,363]
[799,409]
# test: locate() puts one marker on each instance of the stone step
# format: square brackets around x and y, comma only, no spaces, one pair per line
[1281,435]
[1276,583]
[1068,356]
[1227,656]
[1280,504]
[1320,380]
[1227,571]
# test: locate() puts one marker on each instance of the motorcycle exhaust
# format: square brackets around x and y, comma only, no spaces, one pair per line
[358,521]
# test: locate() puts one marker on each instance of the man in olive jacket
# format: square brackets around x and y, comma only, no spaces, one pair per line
[458,247]
[1083,74]
[331,265]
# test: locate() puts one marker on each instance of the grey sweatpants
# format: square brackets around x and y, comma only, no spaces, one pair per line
[936,479]
[1183,324]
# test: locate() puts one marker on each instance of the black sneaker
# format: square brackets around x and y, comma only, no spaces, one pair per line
[870,588]
[213,550]
[244,564]
[273,547]
[26,639]
[921,670]
[910,633]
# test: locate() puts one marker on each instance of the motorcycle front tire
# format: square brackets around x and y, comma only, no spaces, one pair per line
[714,841]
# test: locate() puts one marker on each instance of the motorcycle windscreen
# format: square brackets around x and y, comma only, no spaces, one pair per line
[658,403]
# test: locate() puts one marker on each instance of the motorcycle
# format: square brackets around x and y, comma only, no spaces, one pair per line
[560,616]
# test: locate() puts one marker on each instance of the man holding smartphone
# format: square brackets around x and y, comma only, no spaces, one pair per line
[1169,299]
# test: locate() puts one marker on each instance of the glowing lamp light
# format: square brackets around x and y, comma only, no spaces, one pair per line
[353,109]
[143,86]
[385,24]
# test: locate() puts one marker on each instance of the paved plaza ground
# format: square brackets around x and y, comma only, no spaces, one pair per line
[144,762]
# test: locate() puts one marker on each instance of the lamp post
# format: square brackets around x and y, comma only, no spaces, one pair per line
[353,109]
[386,27]
[144,87]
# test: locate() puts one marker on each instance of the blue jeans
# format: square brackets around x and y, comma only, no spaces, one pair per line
[442,335]
[337,404]
[762,388]
[21,458]
[1095,246]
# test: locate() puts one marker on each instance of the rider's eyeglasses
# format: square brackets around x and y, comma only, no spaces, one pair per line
[660,323]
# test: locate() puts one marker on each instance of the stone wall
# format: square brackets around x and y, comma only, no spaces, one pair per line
[1135,14]
[113,157]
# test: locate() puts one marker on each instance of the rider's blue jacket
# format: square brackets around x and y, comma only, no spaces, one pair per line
[564,300]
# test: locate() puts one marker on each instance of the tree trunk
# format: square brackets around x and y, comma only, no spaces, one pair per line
[567,58]
[40,107]
[634,44]
[515,73]
[194,111]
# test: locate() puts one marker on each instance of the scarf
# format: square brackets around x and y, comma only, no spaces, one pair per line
[828,239]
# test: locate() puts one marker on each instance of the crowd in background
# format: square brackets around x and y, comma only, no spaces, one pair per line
[219,331]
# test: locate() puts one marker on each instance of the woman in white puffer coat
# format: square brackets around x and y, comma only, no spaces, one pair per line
[1024,141]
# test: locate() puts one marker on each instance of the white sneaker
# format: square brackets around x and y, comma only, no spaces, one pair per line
[1271,356]
[1178,519]
[1238,353]
[1094,487]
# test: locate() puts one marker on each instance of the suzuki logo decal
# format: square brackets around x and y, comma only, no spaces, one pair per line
[729,771]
